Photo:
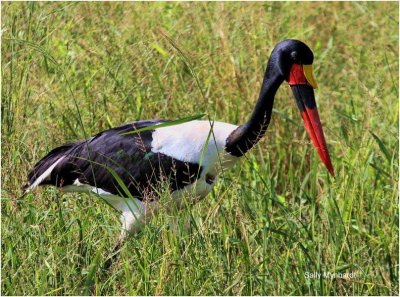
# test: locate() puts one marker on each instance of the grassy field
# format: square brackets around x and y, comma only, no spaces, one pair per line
[70,69]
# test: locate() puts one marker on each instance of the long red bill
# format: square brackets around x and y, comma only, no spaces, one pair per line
[305,99]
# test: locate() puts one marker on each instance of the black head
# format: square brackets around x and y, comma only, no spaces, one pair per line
[289,52]
[292,60]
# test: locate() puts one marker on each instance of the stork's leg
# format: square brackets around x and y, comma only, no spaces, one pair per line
[112,255]
[134,215]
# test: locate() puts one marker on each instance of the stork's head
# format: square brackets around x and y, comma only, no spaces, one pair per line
[293,60]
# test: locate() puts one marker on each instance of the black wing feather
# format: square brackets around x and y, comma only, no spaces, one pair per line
[130,156]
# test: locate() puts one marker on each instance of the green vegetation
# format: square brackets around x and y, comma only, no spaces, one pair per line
[73,69]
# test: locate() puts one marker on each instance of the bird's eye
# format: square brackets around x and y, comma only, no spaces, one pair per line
[294,56]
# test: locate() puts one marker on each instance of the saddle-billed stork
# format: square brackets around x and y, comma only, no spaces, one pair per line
[125,167]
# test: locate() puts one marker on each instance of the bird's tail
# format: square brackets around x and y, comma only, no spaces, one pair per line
[41,172]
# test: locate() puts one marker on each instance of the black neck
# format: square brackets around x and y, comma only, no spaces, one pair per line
[247,135]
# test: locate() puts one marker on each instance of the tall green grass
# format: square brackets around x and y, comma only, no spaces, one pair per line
[73,69]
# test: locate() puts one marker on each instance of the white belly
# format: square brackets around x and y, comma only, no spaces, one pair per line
[191,193]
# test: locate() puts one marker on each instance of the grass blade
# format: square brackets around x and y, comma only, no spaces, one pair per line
[381,146]
[167,124]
